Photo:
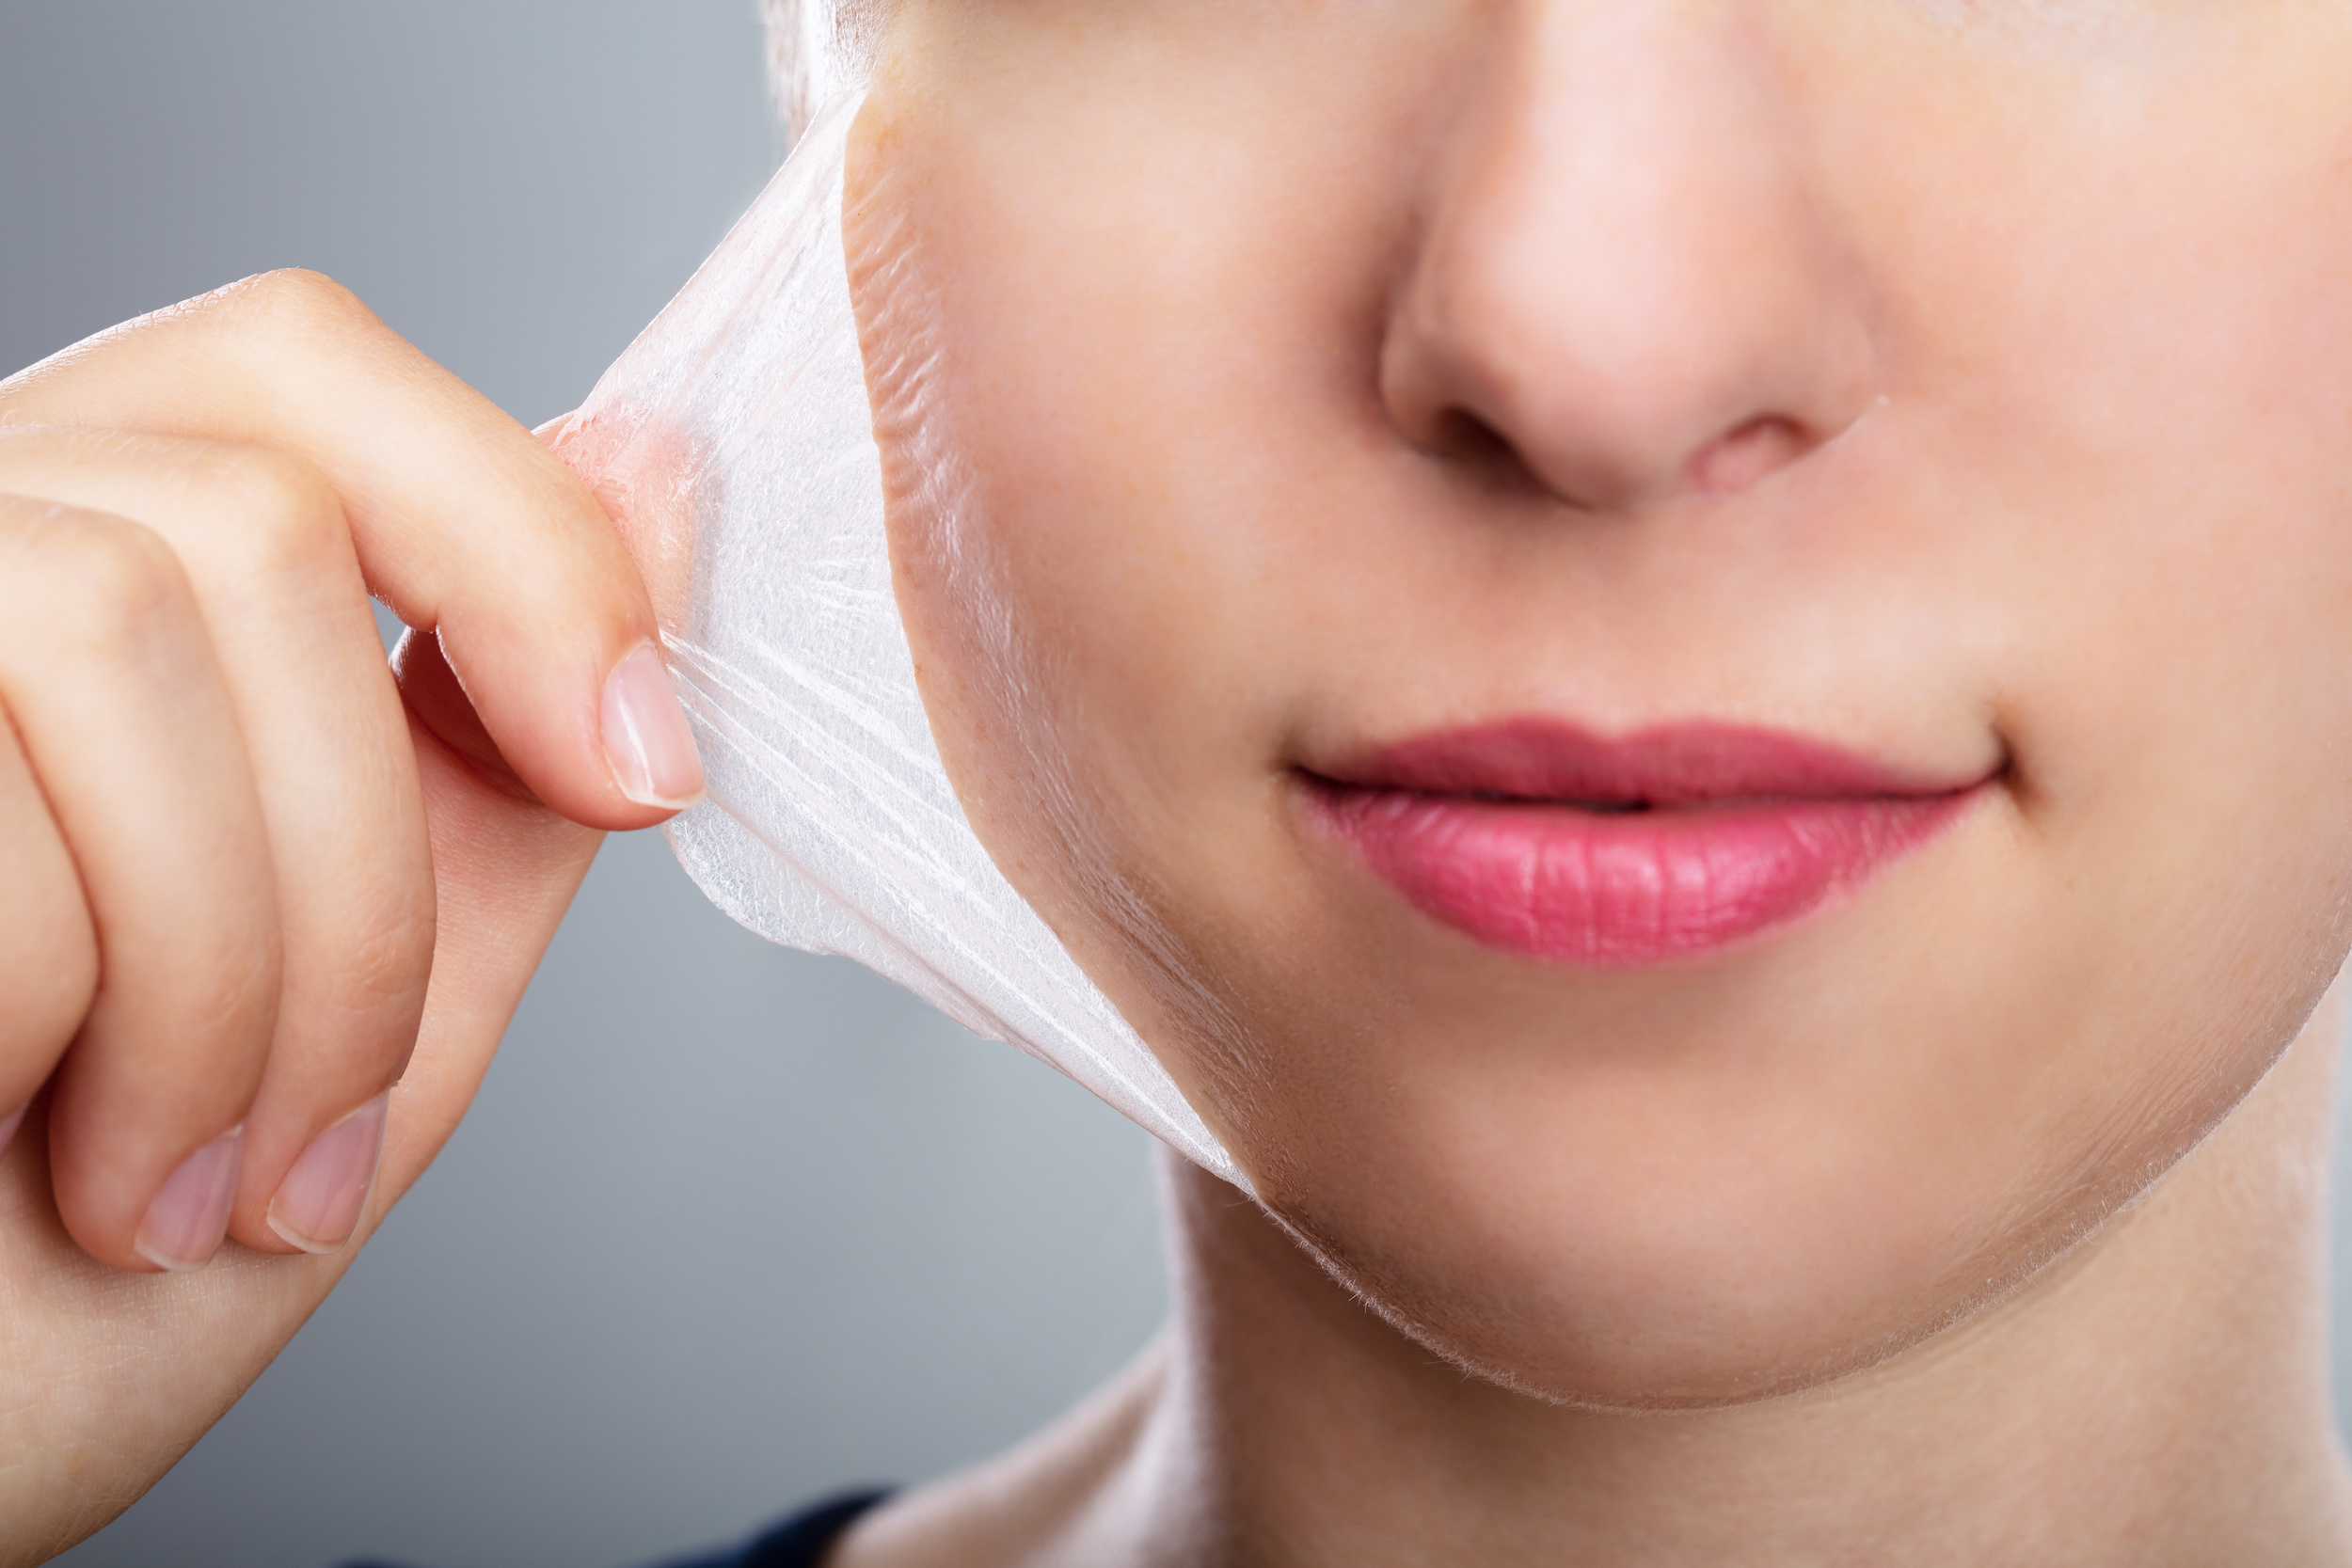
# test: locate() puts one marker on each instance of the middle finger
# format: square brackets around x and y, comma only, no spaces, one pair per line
[267,548]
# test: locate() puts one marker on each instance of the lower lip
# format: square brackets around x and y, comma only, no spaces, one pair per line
[1571,886]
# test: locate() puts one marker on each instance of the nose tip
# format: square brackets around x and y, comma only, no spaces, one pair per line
[1600,444]
[1629,289]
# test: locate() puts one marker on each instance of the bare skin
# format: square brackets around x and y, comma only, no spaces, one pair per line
[1260,386]
[1959,383]
[269,902]
[2157,1399]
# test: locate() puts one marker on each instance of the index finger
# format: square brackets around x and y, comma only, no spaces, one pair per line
[463,522]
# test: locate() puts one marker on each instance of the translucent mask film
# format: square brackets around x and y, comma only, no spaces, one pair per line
[734,439]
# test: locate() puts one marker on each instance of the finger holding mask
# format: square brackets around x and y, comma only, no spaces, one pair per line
[1658,679]
[271,900]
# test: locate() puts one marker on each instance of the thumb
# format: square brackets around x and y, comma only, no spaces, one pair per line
[504,868]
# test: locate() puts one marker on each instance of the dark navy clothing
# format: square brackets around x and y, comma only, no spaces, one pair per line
[800,1541]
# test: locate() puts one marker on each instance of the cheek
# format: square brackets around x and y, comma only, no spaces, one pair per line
[1092,482]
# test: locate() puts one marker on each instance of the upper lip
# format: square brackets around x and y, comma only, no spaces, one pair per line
[1660,768]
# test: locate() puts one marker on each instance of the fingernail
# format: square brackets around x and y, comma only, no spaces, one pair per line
[317,1206]
[646,742]
[9,1123]
[188,1217]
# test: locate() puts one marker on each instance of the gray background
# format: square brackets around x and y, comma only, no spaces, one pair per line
[729,1225]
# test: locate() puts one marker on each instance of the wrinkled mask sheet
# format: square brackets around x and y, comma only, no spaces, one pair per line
[735,438]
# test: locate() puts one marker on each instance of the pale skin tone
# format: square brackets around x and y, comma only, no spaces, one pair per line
[255,878]
[2160,1399]
[1965,383]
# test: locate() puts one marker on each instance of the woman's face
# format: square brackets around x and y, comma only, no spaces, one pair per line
[1690,661]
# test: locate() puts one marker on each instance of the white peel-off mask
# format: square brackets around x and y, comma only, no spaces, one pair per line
[735,440]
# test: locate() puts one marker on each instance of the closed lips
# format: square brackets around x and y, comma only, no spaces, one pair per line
[1543,840]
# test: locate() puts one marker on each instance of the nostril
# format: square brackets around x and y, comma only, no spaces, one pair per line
[1462,436]
[1480,453]
[1733,462]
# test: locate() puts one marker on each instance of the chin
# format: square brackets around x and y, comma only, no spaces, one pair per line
[1711,1213]
[1723,1309]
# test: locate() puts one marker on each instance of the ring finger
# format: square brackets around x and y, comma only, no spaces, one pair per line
[268,552]
[107,668]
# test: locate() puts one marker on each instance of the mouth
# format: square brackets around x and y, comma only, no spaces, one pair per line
[1542,839]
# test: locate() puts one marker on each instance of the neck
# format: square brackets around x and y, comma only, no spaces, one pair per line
[2158,1397]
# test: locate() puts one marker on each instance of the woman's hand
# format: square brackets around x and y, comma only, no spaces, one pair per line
[263,901]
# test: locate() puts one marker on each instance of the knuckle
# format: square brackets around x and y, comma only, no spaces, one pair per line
[292,309]
[297,297]
[287,515]
[383,963]
[230,995]
[104,579]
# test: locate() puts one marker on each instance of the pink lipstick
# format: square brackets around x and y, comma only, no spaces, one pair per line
[1539,839]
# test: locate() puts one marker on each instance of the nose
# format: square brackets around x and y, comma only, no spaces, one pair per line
[1629,286]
